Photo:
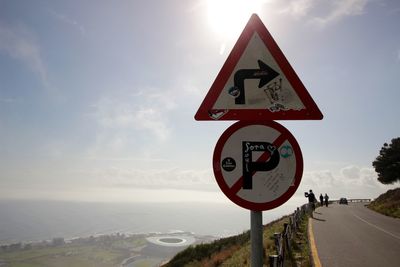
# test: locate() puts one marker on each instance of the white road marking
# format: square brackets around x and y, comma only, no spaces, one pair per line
[377,227]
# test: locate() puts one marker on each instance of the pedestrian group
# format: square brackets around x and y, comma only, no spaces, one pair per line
[312,199]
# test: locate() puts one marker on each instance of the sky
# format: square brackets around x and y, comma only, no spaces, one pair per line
[97,98]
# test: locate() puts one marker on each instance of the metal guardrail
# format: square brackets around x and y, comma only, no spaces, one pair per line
[352,200]
[283,240]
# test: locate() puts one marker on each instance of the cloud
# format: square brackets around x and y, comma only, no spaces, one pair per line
[322,13]
[365,185]
[113,194]
[341,9]
[169,178]
[323,178]
[369,178]
[299,8]
[147,114]
[19,43]
[351,172]
[351,181]
[124,121]
[67,20]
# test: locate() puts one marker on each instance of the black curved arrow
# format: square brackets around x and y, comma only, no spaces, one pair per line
[265,73]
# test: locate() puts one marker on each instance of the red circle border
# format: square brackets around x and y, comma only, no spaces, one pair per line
[233,196]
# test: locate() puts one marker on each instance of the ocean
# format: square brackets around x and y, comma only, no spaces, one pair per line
[31,221]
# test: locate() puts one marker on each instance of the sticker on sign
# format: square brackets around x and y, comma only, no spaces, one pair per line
[258,165]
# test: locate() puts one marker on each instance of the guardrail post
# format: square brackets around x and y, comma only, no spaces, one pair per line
[287,239]
[277,237]
[292,222]
[273,260]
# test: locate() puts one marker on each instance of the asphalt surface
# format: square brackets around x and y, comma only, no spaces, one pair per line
[353,235]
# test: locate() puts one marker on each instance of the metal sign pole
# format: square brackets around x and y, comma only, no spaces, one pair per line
[256,236]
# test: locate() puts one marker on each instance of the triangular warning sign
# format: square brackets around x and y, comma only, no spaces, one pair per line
[257,83]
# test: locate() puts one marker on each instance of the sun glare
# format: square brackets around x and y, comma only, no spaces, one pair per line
[228,17]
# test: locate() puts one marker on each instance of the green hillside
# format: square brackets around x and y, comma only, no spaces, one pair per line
[235,251]
[387,203]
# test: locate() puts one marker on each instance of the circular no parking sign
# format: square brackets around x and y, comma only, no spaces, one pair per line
[258,165]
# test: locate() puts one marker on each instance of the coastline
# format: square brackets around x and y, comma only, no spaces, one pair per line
[127,250]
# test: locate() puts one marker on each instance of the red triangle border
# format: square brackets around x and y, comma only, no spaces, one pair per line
[311,111]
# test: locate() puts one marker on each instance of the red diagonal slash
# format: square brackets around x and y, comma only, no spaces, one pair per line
[263,158]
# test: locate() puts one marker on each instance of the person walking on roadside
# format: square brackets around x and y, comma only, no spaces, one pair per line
[321,199]
[326,200]
[311,201]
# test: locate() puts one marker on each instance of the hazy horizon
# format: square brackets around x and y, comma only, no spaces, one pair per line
[33,221]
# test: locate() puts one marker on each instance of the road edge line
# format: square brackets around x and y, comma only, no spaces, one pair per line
[314,253]
[377,227]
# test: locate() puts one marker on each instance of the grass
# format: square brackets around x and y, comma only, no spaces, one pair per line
[106,251]
[301,247]
[129,243]
[146,263]
[210,254]
[235,251]
[242,256]
[69,255]
[387,203]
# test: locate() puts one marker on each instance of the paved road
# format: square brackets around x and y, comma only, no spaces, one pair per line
[352,235]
